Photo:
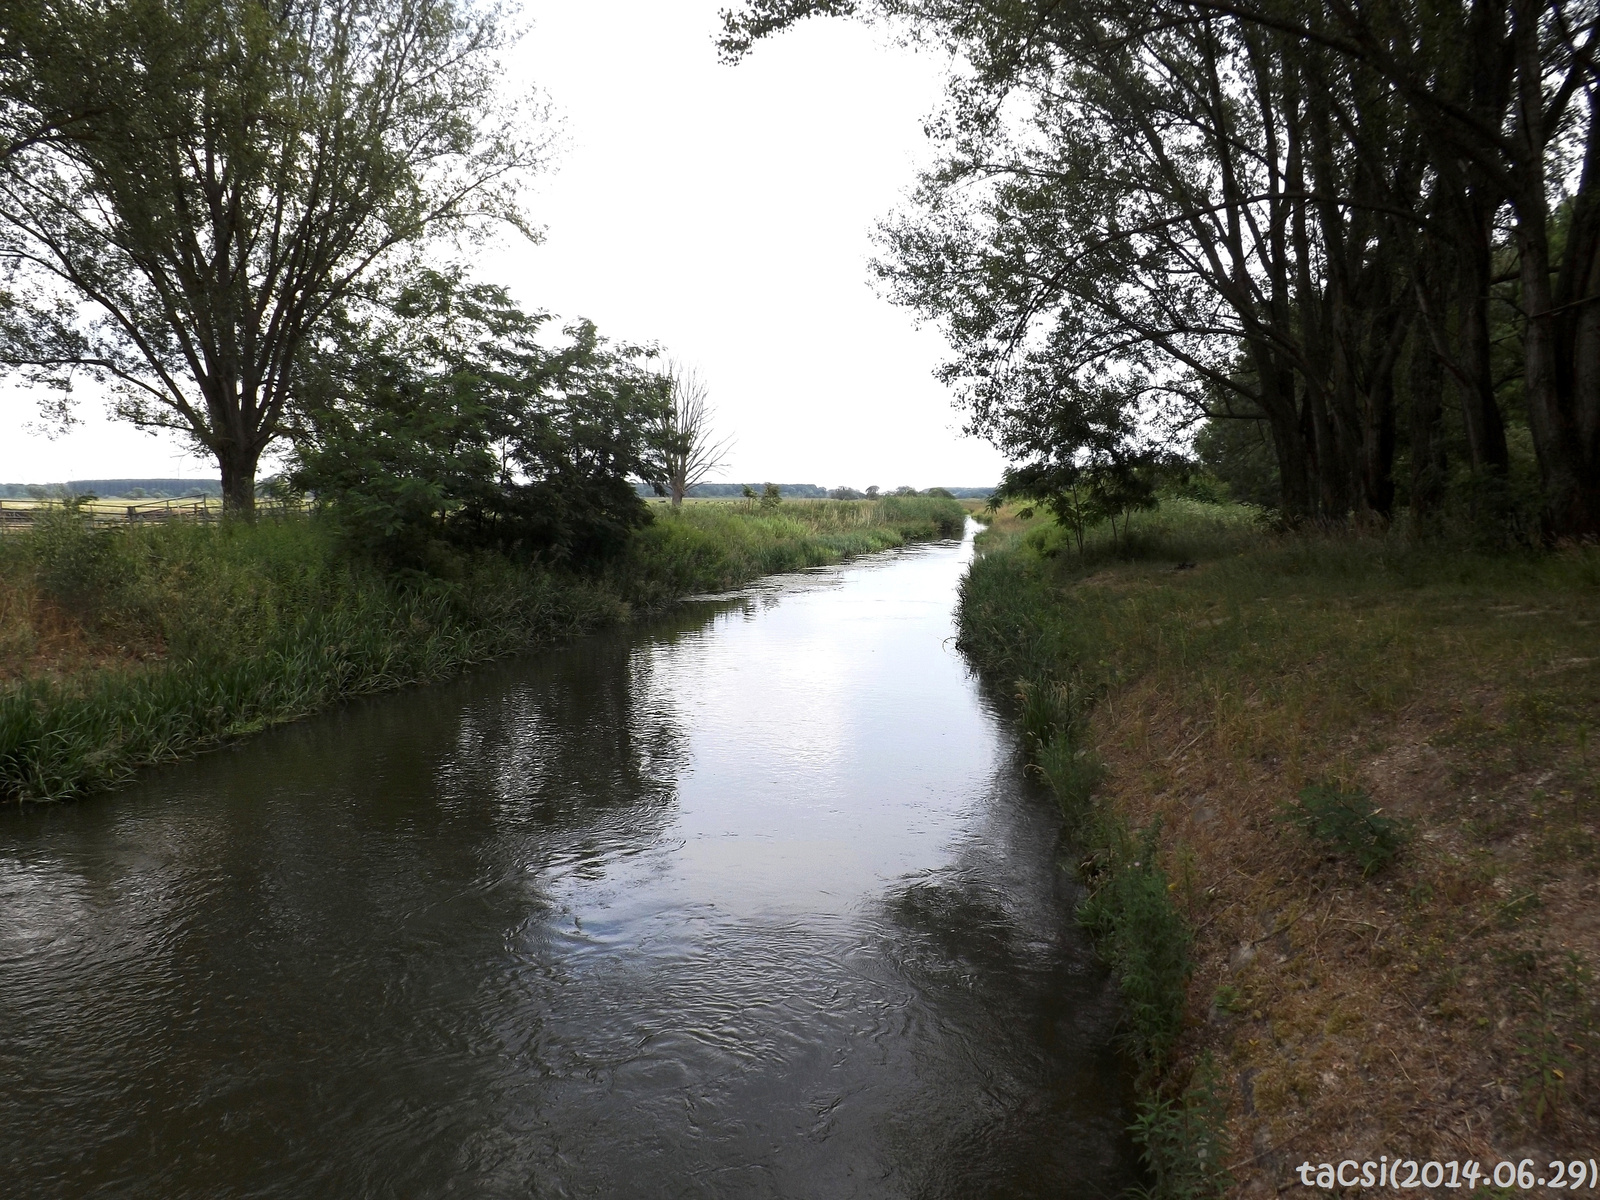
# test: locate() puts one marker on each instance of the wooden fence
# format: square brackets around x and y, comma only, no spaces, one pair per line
[20,514]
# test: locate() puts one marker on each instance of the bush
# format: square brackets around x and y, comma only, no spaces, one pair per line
[1142,933]
[74,564]
[444,423]
[1183,1141]
[1348,821]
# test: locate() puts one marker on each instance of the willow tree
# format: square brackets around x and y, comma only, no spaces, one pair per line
[236,169]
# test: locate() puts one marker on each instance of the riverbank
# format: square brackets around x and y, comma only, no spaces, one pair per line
[1341,807]
[124,648]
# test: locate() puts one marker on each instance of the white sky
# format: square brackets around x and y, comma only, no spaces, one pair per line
[724,212]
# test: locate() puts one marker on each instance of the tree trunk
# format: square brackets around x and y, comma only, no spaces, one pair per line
[1572,500]
[1294,489]
[1332,467]
[238,479]
[1377,443]
[1577,330]
[1428,463]
[1571,492]
[1288,441]
[1480,412]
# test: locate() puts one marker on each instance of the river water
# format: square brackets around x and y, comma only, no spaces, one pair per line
[753,902]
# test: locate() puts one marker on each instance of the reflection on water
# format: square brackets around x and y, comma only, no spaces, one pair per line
[756,902]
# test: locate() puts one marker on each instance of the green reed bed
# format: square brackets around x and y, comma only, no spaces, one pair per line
[125,648]
[710,547]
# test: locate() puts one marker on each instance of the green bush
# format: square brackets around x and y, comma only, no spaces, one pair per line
[443,421]
[1183,1140]
[1130,912]
[1348,821]
[74,564]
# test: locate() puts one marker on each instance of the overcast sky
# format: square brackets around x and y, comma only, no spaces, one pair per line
[724,212]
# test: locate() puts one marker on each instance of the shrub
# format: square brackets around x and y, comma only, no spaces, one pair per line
[74,564]
[1349,821]
[445,422]
[1142,933]
[1183,1141]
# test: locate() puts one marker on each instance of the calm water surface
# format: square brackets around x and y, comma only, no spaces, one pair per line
[756,902]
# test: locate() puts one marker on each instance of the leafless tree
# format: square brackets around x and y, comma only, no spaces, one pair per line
[687,438]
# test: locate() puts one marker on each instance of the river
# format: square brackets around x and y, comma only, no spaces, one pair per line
[755,901]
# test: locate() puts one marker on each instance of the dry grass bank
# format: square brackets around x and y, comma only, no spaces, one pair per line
[1442,1006]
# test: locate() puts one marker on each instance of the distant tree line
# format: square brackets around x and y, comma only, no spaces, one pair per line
[155,489]
[1367,235]
[812,491]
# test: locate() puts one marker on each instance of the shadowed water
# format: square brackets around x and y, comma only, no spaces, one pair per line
[755,902]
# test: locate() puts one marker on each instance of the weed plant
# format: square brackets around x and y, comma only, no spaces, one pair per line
[1130,911]
[1349,821]
[1181,1139]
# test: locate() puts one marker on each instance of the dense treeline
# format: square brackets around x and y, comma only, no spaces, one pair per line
[1332,222]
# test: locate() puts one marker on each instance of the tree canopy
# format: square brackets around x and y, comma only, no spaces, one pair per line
[441,419]
[1314,217]
[191,187]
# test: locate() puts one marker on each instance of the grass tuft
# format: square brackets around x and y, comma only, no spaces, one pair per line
[1348,821]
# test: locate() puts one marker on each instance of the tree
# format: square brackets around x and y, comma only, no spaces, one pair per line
[236,170]
[1271,210]
[689,455]
[443,419]
[33,37]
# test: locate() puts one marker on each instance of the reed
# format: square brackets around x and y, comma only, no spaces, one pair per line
[124,648]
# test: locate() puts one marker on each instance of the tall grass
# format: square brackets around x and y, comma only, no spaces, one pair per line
[179,636]
[715,546]
[1014,628]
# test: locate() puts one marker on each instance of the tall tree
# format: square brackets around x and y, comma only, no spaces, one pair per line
[1164,191]
[689,446]
[237,168]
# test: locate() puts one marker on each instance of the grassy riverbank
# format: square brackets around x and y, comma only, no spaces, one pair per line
[1341,805]
[127,647]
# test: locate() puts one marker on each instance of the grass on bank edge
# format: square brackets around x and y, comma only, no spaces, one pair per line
[127,647]
[1188,692]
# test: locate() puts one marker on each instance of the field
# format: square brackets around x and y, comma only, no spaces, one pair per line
[1359,770]
[136,644]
